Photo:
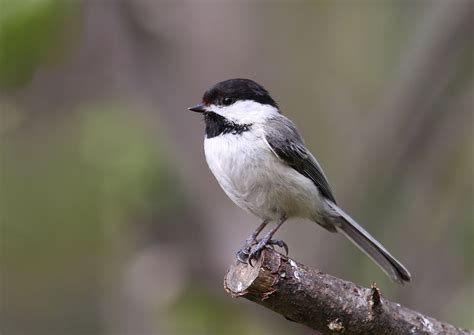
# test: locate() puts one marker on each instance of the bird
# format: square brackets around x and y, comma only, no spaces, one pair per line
[261,162]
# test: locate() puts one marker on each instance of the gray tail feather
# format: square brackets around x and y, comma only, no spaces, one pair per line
[370,246]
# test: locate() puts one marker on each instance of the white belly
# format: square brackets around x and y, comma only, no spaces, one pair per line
[256,180]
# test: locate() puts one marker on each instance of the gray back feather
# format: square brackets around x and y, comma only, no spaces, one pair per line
[287,144]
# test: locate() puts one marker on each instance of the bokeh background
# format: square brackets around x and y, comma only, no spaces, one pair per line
[111,222]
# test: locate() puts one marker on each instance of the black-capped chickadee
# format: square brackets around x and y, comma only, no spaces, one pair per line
[260,161]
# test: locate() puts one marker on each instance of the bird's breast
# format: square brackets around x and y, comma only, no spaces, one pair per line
[236,160]
[240,164]
[256,180]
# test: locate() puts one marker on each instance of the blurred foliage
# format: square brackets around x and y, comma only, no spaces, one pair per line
[63,202]
[200,312]
[32,32]
[134,168]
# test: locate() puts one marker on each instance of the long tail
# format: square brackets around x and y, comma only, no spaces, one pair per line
[370,246]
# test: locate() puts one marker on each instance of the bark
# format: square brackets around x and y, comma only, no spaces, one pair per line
[323,302]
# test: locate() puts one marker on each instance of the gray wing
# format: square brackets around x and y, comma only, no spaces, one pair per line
[287,144]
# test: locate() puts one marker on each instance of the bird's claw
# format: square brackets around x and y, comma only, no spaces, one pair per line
[243,254]
[249,253]
[279,243]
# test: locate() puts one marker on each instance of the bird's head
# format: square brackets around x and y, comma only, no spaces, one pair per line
[238,100]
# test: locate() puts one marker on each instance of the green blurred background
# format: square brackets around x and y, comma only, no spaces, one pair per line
[111,223]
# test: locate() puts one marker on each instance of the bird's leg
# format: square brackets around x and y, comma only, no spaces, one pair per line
[243,254]
[267,240]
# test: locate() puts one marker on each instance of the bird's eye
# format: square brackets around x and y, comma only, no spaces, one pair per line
[227,101]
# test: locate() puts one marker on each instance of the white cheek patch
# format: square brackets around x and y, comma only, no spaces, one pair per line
[244,111]
[216,109]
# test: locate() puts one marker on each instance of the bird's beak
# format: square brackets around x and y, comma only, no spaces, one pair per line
[200,108]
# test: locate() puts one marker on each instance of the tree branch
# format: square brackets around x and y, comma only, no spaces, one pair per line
[323,302]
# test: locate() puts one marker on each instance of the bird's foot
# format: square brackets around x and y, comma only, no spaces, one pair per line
[262,244]
[253,248]
[243,254]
